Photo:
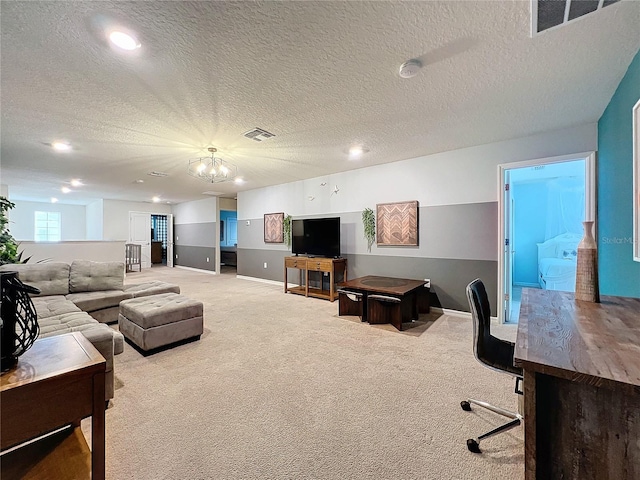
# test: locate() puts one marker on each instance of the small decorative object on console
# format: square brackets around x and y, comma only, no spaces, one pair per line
[19,322]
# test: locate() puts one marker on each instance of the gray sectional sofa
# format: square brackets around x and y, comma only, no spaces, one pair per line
[82,297]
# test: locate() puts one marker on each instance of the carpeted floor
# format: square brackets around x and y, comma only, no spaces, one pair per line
[280,387]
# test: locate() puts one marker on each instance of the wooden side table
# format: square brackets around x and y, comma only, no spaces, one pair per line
[57,382]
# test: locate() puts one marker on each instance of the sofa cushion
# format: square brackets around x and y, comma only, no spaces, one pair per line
[66,322]
[51,278]
[90,301]
[88,276]
[53,305]
[151,288]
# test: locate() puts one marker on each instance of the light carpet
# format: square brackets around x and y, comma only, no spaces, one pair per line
[280,387]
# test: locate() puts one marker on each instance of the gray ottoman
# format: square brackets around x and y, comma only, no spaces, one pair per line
[160,320]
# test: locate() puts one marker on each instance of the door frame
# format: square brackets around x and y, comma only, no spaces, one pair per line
[145,254]
[170,254]
[170,244]
[590,208]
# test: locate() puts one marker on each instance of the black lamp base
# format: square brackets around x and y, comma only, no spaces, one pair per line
[8,362]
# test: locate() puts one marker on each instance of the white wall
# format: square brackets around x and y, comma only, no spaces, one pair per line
[72,217]
[469,175]
[95,220]
[116,216]
[197,211]
[70,251]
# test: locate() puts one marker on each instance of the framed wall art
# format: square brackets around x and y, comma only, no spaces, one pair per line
[274,227]
[397,223]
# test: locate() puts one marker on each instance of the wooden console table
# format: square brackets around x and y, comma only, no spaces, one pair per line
[56,383]
[581,364]
[333,266]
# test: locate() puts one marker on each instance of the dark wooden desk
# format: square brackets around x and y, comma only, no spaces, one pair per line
[581,364]
[57,382]
[403,288]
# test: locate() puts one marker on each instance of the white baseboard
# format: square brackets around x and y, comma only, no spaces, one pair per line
[458,313]
[196,270]
[262,280]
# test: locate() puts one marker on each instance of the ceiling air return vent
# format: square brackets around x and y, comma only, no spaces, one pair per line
[258,134]
[157,174]
[546,14]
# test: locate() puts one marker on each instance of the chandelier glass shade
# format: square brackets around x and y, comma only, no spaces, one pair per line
[212,169]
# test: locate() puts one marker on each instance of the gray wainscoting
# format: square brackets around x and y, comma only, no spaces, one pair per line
[195,234]
[195,257]
[251,263]
[449,277]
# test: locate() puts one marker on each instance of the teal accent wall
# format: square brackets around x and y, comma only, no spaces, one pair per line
[619,274]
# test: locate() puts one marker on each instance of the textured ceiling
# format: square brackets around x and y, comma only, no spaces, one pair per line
[320,75]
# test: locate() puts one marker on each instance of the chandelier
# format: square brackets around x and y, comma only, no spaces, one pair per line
[212,169]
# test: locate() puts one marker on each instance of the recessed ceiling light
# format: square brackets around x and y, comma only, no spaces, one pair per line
[357,151]
[239,181]
[65,189]
[75,182]
[155,199]
[124,40]
[54,199]
[139,181]
[61,146]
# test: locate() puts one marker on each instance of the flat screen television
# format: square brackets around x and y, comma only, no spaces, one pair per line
[316,237]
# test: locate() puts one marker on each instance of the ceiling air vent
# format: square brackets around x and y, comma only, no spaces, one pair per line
[213,194]
[258,134]
[546,14]
[157,174]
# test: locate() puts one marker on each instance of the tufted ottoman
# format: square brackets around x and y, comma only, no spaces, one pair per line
[160,320]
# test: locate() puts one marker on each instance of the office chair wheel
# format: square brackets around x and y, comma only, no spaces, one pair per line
[466,406]
[473,446]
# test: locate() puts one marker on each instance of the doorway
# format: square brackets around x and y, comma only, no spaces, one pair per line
[228,241]
[155,235]
[159,230]
[542,207]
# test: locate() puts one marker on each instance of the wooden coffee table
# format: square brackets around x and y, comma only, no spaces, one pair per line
[405,289]
[56,383]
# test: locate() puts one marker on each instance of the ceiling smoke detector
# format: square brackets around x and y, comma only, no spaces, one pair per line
[410,68]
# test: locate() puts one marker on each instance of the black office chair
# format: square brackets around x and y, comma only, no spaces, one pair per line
[493,353]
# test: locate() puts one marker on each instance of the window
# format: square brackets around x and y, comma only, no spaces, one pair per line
[47,227]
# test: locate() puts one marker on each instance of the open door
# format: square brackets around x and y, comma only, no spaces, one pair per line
[170,256]
[508,247]
[558,181]
[140,234]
